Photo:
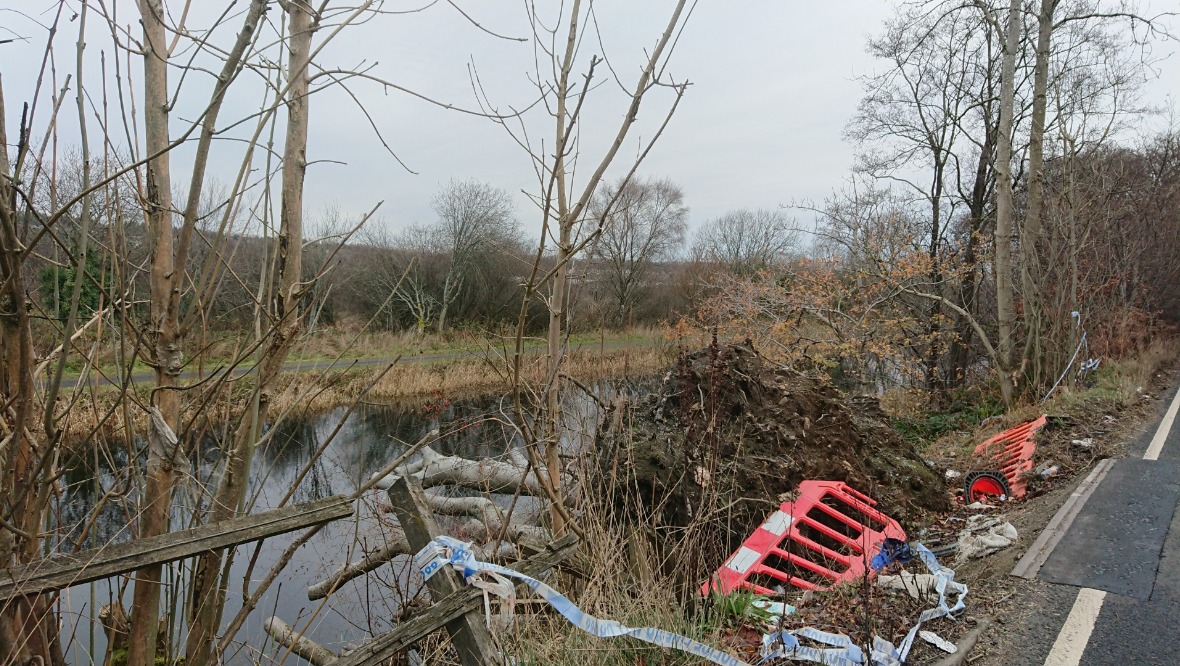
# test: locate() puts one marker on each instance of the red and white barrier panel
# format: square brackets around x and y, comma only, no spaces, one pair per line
[827,536]
[1013,450]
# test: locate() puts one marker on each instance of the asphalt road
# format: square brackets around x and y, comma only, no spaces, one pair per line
[1109,593]
[192,376]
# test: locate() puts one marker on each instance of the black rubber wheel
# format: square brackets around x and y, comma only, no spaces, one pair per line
[979,486]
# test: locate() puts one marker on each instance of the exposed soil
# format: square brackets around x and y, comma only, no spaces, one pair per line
[729,430]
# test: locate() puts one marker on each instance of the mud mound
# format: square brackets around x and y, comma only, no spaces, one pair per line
[730,432]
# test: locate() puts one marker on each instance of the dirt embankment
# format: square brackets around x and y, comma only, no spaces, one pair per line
[730,432]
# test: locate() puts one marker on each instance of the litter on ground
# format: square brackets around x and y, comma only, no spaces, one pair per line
[983,536]
[918,585]
[815,645]
[938,641]
[1047,469]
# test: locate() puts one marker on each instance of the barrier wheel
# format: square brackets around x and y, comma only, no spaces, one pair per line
[981,486]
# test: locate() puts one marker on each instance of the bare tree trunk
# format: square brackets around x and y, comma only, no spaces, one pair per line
[156,503]
[445,304]
[1034,311]
[969,284]
[208,589]
[553,423]
[557,305]
[1005,211]
[229,72]
[933,359]
[25,634]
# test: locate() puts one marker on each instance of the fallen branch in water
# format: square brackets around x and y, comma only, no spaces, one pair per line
[286,635]
[494,476]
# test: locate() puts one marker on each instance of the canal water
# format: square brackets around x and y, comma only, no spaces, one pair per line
[368,439]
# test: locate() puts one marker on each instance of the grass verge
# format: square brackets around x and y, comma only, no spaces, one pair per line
[407,383]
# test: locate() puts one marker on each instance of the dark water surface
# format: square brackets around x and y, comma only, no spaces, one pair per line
[369,439]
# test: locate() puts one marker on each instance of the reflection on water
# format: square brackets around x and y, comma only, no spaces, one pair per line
[98,502]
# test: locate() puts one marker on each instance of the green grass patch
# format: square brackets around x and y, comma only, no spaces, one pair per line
[928,428]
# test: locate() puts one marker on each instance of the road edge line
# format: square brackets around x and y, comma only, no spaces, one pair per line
[1161,433]
[1037,554]
[1075,633]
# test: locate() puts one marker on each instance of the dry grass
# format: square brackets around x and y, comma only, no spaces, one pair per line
[350,342]
[609,586]
[409,383]
[412,382]
[611,590]
[634,570]
[354,342]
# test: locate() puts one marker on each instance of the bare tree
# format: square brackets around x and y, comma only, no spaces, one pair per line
[917,126]
[563,202]
[284,320]
[407,271]
[473,218]
[1092,54]
[158,281]
[910,119]
[27,628]
[865,223]
[167,284]
[743,242]
[646,225]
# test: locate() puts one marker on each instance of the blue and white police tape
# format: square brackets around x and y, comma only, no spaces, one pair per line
[944,580]
[843,652]
[445,550]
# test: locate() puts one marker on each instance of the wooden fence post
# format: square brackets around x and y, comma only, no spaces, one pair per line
[469,634]
[386,646]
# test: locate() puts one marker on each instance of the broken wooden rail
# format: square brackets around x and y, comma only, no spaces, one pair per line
[456,605]
[386,646]
[469,635]
[62,571]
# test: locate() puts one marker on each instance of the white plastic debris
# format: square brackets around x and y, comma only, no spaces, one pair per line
[938,642]
[775,608]
[984,536]
[917,585]
[1085,444]
[953,474]
[1047,469]
[838,649]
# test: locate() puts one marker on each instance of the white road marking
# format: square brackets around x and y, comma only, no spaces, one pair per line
[1161,433]
[1075,634]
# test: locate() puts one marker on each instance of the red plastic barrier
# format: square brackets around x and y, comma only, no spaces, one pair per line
[827,536]
[1014,450]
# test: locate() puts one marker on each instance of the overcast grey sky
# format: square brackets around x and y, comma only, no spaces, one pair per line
[773,83]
